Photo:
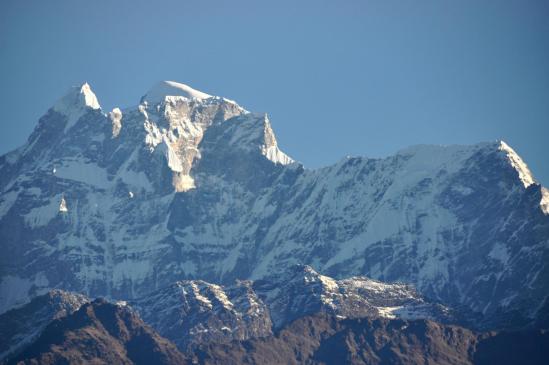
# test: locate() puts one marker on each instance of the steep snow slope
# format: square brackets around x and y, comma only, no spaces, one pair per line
[196,188]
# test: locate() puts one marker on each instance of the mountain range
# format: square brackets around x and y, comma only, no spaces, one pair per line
[105,333]
[185,209]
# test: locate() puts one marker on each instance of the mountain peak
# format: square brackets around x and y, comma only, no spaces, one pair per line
[518,164]
[78,96]
[75,103]
[163,89]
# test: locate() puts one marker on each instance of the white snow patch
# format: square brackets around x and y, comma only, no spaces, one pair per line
[63,205]
[388,312]
[163,89]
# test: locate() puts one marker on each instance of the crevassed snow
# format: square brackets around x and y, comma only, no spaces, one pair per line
[75,103]
[161,90]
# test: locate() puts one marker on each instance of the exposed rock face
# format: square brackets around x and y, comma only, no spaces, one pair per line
[100,333]
[195,187]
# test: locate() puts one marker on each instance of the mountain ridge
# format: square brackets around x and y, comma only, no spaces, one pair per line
[103,332]
[195,313]
[198,189]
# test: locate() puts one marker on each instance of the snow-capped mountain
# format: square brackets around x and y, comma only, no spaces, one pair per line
[190,186]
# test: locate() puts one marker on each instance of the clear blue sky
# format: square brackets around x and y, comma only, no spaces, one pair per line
[336,77]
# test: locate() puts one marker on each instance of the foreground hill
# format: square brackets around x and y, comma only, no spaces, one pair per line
[323,339]
[103,333]
[100,333]
[301,317]
[194,313]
